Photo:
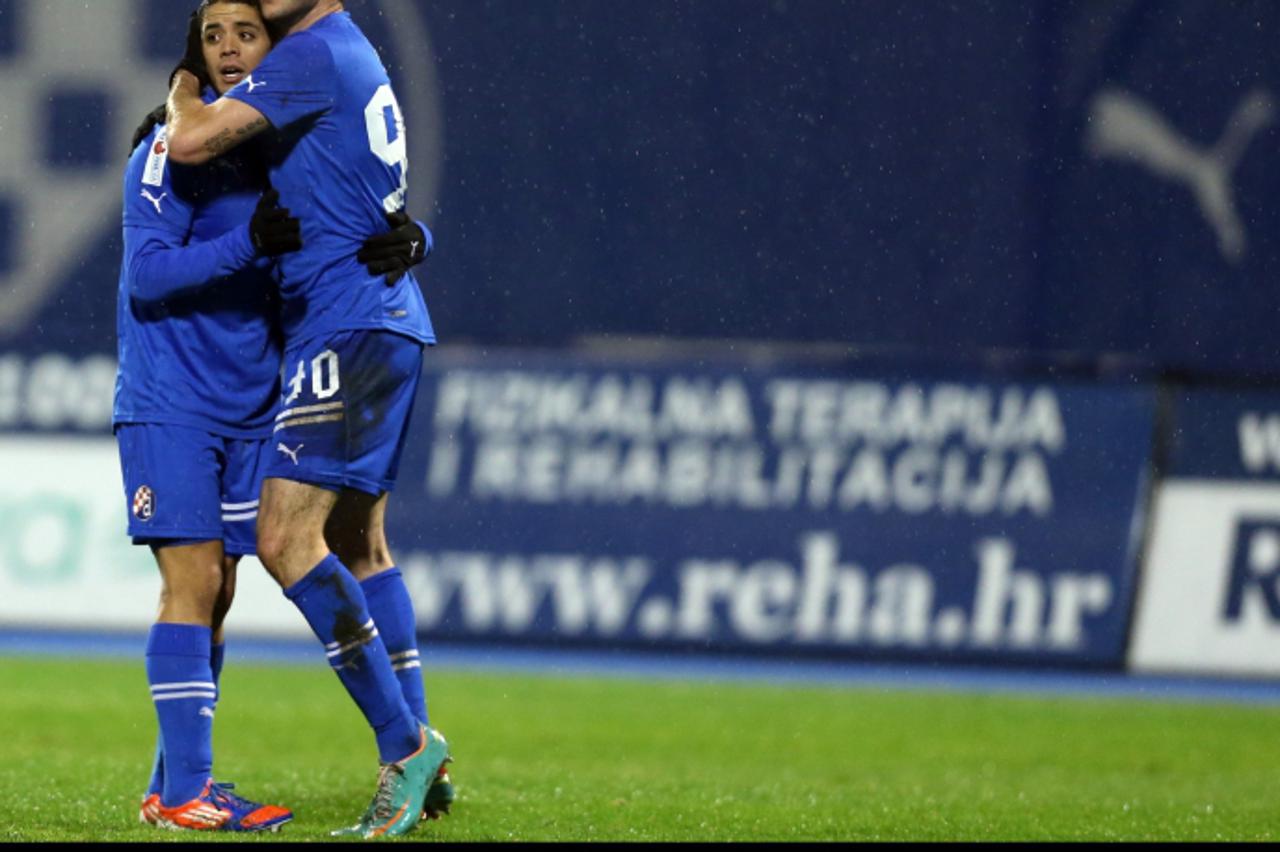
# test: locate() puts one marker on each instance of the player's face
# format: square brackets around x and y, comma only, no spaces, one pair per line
[235,40]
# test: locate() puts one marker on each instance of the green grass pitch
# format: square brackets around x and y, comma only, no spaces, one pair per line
[544,758]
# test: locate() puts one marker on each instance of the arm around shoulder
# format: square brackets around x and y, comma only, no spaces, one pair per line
[199,132]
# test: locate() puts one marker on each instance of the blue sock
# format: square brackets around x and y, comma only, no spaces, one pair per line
[333,604]
[216,656]
[184,694]
[392,612]
[157,768]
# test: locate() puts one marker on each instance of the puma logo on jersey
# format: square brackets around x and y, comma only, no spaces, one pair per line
[154,200]
[293,454]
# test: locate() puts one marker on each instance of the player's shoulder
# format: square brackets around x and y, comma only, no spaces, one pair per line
[149,160]
[340,38]
[300,61]
[146,142]
[312,45]
[152,180]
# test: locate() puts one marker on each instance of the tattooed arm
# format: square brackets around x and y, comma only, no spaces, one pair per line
[199,132]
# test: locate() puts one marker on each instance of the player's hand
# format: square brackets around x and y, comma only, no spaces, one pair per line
[394,253]
[273,231]
[182,75]
[193,60]
[156,116]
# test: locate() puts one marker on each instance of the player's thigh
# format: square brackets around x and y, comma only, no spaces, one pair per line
[226,594]
[356,532]
[230,565]
[345,410]
[291,521]
[227,588]
[172,483]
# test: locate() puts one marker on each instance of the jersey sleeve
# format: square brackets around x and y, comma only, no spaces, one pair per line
[161,267]
[150,200]
[159,262]
[298,79]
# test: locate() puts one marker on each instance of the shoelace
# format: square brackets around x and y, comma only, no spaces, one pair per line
[222,794]
[382,804]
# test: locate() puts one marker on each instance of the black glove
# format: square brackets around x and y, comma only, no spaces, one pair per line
[156,116]
[394,253]
[193,59]
[273,231]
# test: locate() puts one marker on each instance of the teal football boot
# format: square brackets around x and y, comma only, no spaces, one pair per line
[440,795]
[398,804]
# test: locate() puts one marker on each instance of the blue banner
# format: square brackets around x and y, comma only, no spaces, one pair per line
[1210,592]
[1226,435]
[734,507]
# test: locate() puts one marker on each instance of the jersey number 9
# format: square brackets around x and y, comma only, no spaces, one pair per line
[385,123]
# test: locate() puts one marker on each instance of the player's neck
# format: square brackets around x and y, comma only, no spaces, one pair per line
[321,10]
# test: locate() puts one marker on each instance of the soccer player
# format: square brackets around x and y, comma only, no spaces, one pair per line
[353,358]
[199,352]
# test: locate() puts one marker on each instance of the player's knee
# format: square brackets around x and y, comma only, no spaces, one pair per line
[196,587]
[273,543]
[288,553]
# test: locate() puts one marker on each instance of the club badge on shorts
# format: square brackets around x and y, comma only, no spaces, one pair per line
[144,503]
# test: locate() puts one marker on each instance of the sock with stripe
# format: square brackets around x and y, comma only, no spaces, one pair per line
[333,604]
[392,611]
[182,688]
[216,656]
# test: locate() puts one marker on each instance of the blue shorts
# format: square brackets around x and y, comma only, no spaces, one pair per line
[345,404]
[184,485]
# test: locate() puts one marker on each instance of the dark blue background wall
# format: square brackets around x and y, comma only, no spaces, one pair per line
[902,177]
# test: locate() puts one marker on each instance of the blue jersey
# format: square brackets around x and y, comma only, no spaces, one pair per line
[197,314]
[337,157]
